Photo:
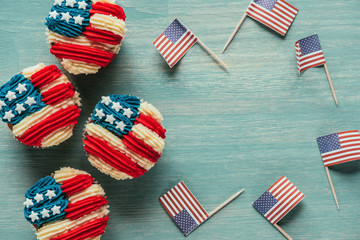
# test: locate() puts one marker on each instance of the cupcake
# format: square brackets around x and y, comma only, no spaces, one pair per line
[124,137]
[85,35]
[69,205]
[40,106]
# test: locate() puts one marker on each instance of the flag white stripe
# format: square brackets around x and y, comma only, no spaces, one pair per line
[269,24]
[183,49]
[282,202]
[324,155]
[175,200]
[167,206]
[178,45]
[271,190]
[188,205]
[190,196]
[288,208]
[174,205]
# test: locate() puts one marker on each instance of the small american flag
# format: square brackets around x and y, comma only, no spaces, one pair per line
[276,14]
[309,53]
[339,147]
[183,208]
[278,200]
[174,42]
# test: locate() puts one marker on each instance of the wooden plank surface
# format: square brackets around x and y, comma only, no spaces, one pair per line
[226,131]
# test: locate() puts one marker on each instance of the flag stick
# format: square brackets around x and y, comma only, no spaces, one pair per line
[226,203]
[234,32]
[332,187]
[331,85]
[212,54]
[283,232]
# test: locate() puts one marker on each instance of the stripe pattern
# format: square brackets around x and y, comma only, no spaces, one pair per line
[97,44]
[309,53]
[174,42]
[278,200]
[276,14]
[183,208]
[57,108]
[86,214]
[124,137]
[339,147]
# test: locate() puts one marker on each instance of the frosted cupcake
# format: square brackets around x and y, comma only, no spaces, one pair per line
[85,35]
[69,205]
[40,106]
[124,137]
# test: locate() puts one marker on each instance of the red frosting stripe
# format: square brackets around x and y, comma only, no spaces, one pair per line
[45,76]
[114,158]
[80,208]
[152,124]
[64,117]
[88,230]
[108,9]
[58,93]
[82,53]
[104,36]
[76,184]
[139,147]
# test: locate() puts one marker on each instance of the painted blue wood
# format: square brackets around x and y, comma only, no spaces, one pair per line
[226,131]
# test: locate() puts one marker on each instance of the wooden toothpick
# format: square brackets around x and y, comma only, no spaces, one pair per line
[212,54]
[234,32]
[282,232]
[331,85]
[332,187]
[226,203]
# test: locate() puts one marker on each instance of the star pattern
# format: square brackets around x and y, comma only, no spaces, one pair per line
[2,104]
[328,143]
[127,112]
[309,44]
[58,2]
[265,202]
[116,106]
[82,5]
[20,108]
[30,101]
[33,216]
[28,203]
[106,100]
[110,119]
[8,116]
[185,222]
[66,16]
[175,31]
[55,210]
[53,14]
[99,113]
[45,213]
[21,88]
[121,125]
[70,3]
[50,194]
[79,20]
[10,95]
[268,4]
[39,197]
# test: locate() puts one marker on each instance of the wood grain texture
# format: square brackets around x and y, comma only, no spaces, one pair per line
[226,131]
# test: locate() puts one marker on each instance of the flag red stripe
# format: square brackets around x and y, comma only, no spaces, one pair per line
[289,6]
[271,26]
[190,201]
[291,190]
[187,48]
[103,36]
[344,150]
[188,39]
[58,93]
[108,9]
[140,147]
[162,200]
[187,206]
[343,156]
[82,207]
[280,179]
[282,188]
[265,14]
[166,46]
[152,124]
[311,66]
[290,208]
[157,39]
[320,54]
[45,76]
[281,207]
[277,8]
[350,131]
[175,201]
[339,162]
[76,184]
[168,52]
[203,212]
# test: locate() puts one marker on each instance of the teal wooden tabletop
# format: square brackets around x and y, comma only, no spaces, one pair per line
[225,130]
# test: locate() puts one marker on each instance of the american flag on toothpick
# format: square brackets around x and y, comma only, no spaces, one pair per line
[174,42]
[278,200]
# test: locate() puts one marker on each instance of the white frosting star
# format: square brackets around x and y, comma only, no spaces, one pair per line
[82,5]
[66,16]
[78,20]
[121,125]
[33,216]
[106,100]
[10,95]
[127,112]
[39,197]
[110,119]
[20,108]
[28,203]
[70,3]
[8,115]
[30,101]
[99,113]
[55,210]
[58,2]
[21,88]
[45,213]
[2,104]
[116,106]
[50,194]
[53,14]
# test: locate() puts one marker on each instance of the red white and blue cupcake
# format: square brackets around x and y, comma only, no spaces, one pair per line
[40,106]
[67,206]
[124,137]
[86,35]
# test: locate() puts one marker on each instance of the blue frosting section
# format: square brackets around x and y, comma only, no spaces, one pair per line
[53,201]
[17,92]
[55,23]
[104,108]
